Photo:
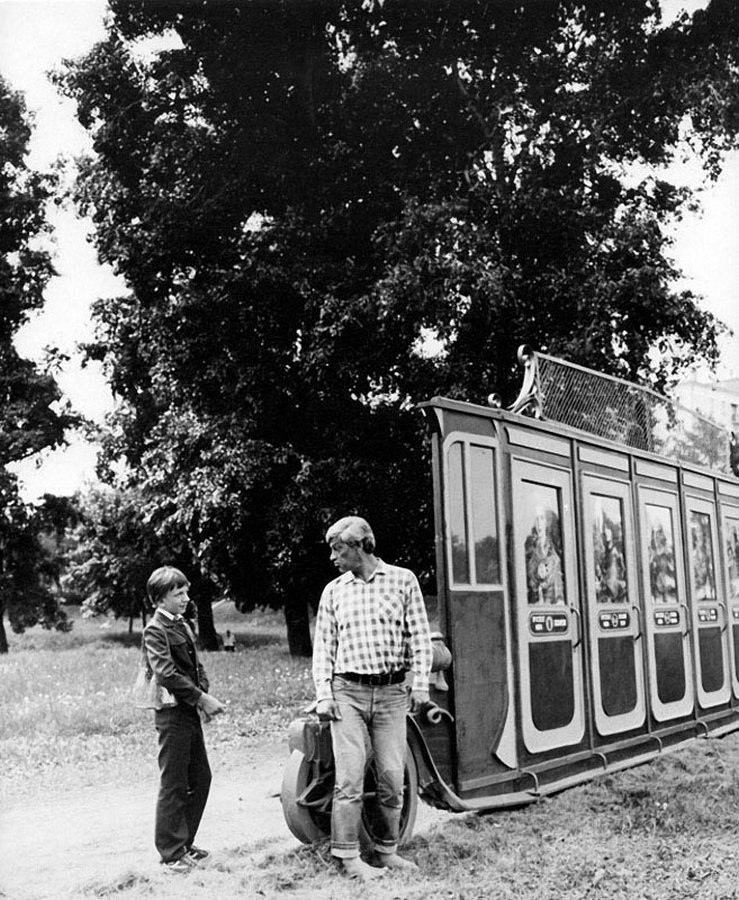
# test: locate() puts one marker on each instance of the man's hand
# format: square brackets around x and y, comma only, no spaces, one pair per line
[328,710]
[210,706]
[418,699]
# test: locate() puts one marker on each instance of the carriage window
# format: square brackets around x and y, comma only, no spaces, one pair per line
[484,529]
[473,530]
[457,515]
[662,568]
[701,557]
[611,580]
[545,581]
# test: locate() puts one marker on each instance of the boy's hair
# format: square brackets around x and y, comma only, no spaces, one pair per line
[162,581]
[352,530]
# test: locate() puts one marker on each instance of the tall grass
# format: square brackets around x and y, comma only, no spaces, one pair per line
[66,698]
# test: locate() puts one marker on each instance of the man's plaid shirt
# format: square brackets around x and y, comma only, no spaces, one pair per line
[371,627]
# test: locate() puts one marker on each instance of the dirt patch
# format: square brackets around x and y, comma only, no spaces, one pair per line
[53,842]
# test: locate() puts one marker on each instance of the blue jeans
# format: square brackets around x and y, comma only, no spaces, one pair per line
[371,718]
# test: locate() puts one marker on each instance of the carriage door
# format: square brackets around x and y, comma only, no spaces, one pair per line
[710,618]
[667,618]
[615,620]
[730,534]
[476,609]
[549,625]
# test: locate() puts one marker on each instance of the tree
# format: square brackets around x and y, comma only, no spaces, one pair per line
[29,572]
[307,198]
[116,549]
[28,420]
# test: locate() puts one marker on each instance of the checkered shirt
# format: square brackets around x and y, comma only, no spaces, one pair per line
[371,627]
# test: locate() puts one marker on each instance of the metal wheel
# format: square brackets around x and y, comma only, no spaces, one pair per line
[306,797]
[368,826]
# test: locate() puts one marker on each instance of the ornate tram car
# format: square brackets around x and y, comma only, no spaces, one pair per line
[588,592]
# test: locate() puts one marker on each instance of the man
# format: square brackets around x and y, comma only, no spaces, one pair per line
[183,762]
[371,627]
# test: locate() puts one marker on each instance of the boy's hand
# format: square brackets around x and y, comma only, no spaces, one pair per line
[210,706]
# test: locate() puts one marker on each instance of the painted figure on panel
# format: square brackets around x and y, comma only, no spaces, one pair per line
[543,549]
[610,565]
[732,556]
[662,576]
[704,580]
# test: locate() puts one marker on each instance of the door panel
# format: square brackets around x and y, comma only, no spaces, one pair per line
[546,597]
[710,620]
[730,549]
[613,604]
[667,619]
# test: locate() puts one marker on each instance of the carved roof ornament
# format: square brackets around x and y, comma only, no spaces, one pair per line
[529,401]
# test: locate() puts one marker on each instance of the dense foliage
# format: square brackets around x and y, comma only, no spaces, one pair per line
[327,212]
[115,547]
[28,420]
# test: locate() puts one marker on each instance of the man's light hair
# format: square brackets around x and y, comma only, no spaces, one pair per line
[352,530]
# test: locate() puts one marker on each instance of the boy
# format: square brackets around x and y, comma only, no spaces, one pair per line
[183,762]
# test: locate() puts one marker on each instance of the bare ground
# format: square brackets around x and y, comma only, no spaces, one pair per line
[52,841]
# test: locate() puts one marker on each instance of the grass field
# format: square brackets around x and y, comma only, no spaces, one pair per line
[66,707]
[666,830]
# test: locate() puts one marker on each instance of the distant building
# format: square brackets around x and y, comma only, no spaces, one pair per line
[718,401]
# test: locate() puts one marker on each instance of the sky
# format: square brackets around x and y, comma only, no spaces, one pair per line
[35,35]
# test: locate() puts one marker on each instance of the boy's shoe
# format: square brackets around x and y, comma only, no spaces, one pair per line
[197,853]
[178,866]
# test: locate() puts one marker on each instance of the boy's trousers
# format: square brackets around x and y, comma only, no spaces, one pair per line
[184,780]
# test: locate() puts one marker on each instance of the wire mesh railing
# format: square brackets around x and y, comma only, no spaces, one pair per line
[619,411]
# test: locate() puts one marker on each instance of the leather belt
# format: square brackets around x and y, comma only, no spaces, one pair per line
[381,680]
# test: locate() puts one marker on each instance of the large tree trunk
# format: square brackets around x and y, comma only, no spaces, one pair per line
[138,608]
[3,635]
[206,628]
[298,624]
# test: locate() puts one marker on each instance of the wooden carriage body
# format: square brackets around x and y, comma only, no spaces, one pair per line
[589,594]
[587,557]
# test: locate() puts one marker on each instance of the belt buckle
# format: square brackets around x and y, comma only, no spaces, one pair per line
[376,680]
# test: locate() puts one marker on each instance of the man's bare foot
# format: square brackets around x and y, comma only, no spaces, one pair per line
[359,869]
[393,861]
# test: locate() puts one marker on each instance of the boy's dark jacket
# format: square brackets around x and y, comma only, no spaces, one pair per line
[173,657]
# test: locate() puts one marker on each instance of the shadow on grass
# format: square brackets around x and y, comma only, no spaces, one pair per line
[120,639]
[124,883]
[244,641]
